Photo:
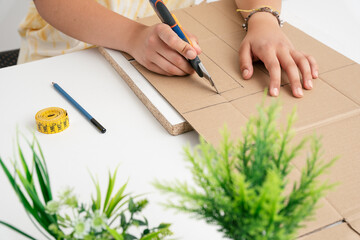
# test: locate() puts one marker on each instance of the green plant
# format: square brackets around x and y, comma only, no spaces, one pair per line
[66,218]
[241,186]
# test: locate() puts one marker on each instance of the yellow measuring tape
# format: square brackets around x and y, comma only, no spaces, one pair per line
[51,120]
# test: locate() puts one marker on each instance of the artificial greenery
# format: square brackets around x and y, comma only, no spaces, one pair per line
[112,217]
[240,186]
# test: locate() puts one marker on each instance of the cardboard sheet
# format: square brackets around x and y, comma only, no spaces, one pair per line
[331,109]
[341,139]
[338,232]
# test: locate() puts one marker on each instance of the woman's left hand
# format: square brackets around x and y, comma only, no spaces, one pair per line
[266,41]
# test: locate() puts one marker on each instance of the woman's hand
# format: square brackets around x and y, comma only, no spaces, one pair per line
[159,49]
[265,41]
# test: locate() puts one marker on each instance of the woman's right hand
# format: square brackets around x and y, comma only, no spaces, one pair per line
[159,49]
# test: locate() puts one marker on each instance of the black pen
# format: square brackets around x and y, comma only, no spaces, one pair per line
[78,107]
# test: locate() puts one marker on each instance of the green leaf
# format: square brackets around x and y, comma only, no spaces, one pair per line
[150,236]
[97,202]
[146,231]
[164,225]
[114,233]
[37,204]
[132,206]
[123,220]
[138,222]
[17,230]
[115,201]
[23,162]
[45,188]
[42,170]
[129,237]
[110,188]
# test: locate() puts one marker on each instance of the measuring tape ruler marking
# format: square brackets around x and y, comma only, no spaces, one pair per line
[52,120]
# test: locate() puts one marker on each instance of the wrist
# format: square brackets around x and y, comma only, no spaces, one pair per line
[132,37]
[262,19]
[257,11]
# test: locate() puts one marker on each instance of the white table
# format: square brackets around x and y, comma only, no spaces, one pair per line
[134,139]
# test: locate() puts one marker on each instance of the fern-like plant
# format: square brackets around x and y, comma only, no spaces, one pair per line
[240,186]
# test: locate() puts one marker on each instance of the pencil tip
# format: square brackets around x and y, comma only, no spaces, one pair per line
[53,83]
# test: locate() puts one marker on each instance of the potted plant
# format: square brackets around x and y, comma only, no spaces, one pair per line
[241,186]
[64,217]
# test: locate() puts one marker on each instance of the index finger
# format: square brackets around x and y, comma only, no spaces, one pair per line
[168,36]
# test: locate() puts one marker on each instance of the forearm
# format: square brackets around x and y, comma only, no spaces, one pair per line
[88,21]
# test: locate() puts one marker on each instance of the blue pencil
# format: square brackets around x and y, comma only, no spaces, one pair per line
[78,107]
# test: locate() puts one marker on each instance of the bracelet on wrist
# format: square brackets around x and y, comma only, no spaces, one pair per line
[267,9]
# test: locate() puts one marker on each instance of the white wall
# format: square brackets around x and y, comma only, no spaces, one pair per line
[332,22]
[11,14]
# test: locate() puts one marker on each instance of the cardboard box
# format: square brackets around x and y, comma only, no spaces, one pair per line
[331,109]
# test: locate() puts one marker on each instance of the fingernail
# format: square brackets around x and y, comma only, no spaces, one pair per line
[245,73]
[190,54]
[299,92]
[310,83]
[316,74]
[275,92]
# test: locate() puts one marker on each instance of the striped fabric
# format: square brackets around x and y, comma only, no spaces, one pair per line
[40,40]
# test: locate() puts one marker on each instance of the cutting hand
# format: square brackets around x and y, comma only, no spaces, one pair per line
[170,19]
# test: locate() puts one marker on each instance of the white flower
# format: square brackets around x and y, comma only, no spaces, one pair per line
[52,207]
[98,221]
[65,193]
[68,198]
[81,228]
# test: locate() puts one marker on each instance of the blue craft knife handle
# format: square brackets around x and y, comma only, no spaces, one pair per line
[166,17]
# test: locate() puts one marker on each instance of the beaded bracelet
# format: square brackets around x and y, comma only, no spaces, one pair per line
[268,9]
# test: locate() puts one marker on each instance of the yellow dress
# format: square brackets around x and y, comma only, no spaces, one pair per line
[40,40]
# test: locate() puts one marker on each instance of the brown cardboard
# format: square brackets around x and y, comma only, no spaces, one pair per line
[341,139]
[317,105]
[331,109]
[346,80]
[234,39]
[216,117]
[228,9]
[186,20]
[325,213]
[324,216]
[199,90]
[354,222]
[338,232]
[327,58]
[193,26]
[214,20]
[224,56]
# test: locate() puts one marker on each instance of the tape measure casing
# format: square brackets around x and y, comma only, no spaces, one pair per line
[51,120]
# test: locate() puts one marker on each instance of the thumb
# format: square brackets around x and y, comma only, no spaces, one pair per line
[245,61]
